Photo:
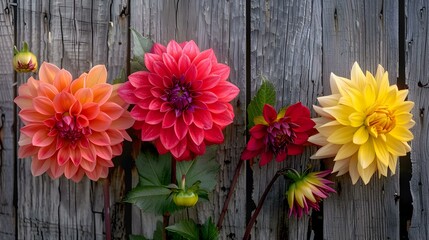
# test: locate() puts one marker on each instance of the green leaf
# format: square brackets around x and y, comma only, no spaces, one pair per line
[157,234]
[152,194]
[209,231]
[204,168]
[141,45]
[137,237]
[265,95]
[186,229]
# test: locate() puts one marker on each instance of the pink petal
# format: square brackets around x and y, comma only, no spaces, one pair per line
[139,79]
[171,64]
[155,104]
[191,74]
[150,132]
[154,117]
[196,134]
[168,138]
[150,59]
[180,128]
[184,63]
[55,171]
[204,68]
[169,119]
[89,153]
[104,152]
[207,97]
[158,49]
[197,149]
[179,149]
[88,165]
[78,176]
[191,50]
[27,151]
[210,82]
[127,93]
[124,122]
[115,136]
[204,55]
[75,156]
[138,113]
[222,119]
[188,117]
[160,69]
[29,115]
[203,119]
[226,91]
[63,155]
[221,70]
[214,135]
[217,107]
[156,80]
[174,50]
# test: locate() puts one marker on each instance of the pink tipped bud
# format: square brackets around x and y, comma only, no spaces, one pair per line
[24,60]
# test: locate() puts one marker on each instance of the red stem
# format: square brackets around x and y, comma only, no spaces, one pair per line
[230,192]
[107,225]
[260,204]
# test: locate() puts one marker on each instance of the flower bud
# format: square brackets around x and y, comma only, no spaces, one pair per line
[24,60]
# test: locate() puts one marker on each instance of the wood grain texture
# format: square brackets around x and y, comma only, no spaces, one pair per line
[417,79]
[367,32]
[7,127]
[75,35]
[219,25]
[286,47]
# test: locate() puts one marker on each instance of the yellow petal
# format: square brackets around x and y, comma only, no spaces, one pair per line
[404,107]
[346,151]
[357,119]
[357,75]
[361,136]
[97,75]
[326,151]
[341,167]
[393,160]
[381,151]
[353,169]
[342,135]
[340,113]
[366,154]
[395,147]
[366,173]
[382,169]
[318,139]
[329,101]
[401,133]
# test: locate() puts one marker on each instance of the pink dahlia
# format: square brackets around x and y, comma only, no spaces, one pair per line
[71,127]
[182,102]
[279,135]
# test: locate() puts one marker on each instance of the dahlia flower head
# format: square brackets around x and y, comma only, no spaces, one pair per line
[306,191]
[71,127]
[181,103]
[279,135]
[364,124]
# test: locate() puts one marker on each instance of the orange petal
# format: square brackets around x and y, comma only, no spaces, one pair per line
[84,95]
[62,80]
[38,167]
[102,93]
[101,123]
[63,101]
[78,83]
[97,75]
[112,109]
[47,72]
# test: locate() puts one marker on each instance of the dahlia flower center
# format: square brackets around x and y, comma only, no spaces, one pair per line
[280,134]
[68,129]
[179,95]
[380,121]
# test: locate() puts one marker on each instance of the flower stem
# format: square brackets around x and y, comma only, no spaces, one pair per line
[107,225]
[261,203]
[230,192]
[166,215]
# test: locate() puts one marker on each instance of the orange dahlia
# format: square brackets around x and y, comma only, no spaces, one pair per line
[71,127]
[181,103]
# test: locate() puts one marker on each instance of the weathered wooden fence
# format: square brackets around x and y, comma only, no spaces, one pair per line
[295,43]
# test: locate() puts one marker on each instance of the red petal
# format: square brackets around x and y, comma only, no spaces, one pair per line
[197,149]
[294,149]
[258,131]
[168,138]
[246,154]
[214,135]
[281,157]
[150,132]
[181,128]
[269,113]
[179,149]
[204,68]
[203,119]
[196,134]
[156,80]
[266,157]
[154,117]
[188,117]
[254,145]
[191,74]
[169,119]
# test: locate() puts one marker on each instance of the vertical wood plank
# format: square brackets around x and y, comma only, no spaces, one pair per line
[211,24]
[7,132]
[75,35]
[417,79]
[367,32]
[286,47]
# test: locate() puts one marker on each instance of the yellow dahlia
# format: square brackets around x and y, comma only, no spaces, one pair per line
[364,124]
